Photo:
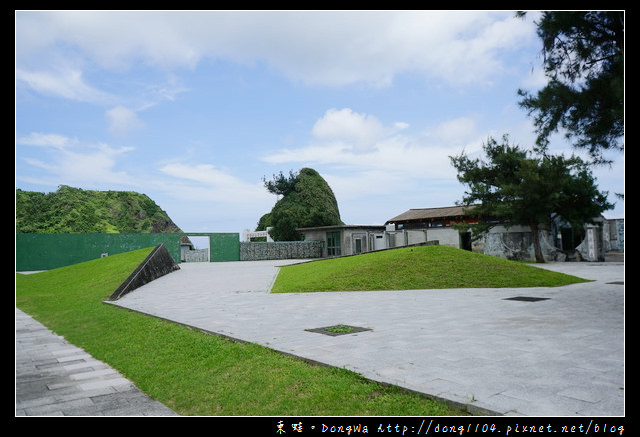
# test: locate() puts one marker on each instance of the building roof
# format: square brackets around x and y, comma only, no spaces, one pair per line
[429,213]
[338,227]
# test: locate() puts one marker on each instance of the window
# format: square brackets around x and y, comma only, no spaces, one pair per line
[333,244]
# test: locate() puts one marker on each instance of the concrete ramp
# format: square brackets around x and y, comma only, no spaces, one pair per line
[158,263]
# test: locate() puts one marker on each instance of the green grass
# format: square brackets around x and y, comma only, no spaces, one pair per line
[192,372]
[421,267]
[340,329]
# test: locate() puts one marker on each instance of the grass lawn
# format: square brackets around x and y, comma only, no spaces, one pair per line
[192,372]
[414,268]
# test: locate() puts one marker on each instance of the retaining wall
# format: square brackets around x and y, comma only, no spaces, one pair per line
[158,263]
[257,251]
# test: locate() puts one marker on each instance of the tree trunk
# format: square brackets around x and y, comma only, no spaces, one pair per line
[536,244]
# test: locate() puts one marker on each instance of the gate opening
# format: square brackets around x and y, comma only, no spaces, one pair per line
[196,248]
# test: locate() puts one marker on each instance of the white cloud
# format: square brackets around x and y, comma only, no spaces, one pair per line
[456,131]
[122,120]
[96,166]
[72,164]
[61,82]
[45,140]
[360,131]
[205,182]
[204,173]
[317,47]
[219,201]
[399,170]
[342,139]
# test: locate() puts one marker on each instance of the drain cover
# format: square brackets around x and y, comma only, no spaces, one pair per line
[527,298]
[336,330]
[616,282]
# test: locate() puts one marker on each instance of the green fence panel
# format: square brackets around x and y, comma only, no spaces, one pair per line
[225,247]
[50,251]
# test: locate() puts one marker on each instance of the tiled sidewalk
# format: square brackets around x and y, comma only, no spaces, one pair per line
[55,378]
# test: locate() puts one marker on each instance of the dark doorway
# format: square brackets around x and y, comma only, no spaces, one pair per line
[570,238]
[465,241]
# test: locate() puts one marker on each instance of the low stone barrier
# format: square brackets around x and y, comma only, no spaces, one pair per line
[257,251]
[158,263]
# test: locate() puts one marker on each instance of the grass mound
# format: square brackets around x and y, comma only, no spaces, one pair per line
[412,268]
[192,372]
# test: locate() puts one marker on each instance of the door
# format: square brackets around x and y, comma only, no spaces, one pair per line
[358,246]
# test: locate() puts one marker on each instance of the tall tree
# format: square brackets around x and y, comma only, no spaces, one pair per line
[281,185]
[583,53]
[514,187]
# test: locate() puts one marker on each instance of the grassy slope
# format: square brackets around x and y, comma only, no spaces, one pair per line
[422,267]
[192,372]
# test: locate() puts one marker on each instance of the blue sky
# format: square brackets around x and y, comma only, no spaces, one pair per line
[195,108]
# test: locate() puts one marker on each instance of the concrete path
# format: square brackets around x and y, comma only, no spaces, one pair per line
[55,378]
[562,356]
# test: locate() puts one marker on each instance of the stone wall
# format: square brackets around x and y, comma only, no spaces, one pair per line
[516,243]
[614,235]
[196,256]
[257,251]
[158,263]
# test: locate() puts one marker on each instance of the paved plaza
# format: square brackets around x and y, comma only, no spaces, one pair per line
[503,351]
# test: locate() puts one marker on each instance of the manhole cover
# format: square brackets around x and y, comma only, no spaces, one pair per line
[336,330]
[527,298]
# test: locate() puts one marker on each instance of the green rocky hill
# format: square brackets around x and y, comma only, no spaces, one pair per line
[307,201]
[73,210]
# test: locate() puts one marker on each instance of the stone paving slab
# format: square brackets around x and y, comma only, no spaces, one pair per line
[56,378]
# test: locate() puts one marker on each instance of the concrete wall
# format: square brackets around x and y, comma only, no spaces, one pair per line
[348,237]
[614,234]
[417,236]
[357,239]
[367,239]
[407,237]
[592,247]
[516,243]
[158,263]
[50,251]
[445,236]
